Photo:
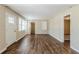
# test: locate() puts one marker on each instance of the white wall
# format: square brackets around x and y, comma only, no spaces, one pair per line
[56,26]
[75,28]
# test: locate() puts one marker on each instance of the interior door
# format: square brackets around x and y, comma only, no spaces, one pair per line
[10,29]
[67,32]
[32,28]
[66,27]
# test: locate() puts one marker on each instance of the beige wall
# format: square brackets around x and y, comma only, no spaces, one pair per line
[2,28]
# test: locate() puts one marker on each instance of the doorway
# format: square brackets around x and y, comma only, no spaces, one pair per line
[10,29]
[32,28]
[67,31]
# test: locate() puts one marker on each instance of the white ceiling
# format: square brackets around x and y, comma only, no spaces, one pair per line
[39,11]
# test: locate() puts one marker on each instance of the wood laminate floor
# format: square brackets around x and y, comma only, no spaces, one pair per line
[38,44]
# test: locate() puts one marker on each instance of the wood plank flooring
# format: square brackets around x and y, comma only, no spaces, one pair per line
[38,44]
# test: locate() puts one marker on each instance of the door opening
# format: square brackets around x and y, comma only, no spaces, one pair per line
[32,28]
[67,31]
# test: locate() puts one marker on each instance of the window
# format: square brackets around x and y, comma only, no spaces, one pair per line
[20,24]
[44,25]
[11,20]
[23,25]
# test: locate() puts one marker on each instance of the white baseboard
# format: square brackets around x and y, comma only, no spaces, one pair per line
[20,38]
[3,50]
[56,37]
[74,49]
[10,44]
[7,46]
[15,40]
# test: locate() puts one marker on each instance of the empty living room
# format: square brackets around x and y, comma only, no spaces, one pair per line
[39,29]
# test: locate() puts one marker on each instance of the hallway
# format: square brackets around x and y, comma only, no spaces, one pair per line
[37,44]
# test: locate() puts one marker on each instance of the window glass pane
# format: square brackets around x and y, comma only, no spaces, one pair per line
[11,20]
[23,22]
[23,25]
[23,28]
[19,27]
[20,24]
[26,26]
[20,20]
[44,25]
